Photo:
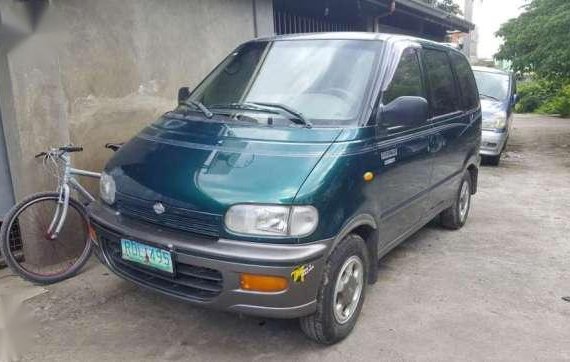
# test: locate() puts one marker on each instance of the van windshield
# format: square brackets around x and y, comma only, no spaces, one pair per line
[492,85]
[324,81]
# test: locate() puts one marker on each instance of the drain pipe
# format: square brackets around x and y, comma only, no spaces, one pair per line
[391,9]
[255,30]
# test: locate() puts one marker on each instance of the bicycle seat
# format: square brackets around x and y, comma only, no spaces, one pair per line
[114,146]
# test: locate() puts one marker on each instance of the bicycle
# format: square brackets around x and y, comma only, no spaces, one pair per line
[46,237]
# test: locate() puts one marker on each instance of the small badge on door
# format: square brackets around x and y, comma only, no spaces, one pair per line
[389,154]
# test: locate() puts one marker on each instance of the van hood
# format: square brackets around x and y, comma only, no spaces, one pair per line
[208,166]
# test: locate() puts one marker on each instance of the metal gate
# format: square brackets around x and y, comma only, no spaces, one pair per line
[288,23]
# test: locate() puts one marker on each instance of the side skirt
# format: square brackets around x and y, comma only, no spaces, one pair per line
[384,250]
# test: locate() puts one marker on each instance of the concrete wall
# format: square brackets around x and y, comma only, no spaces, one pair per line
[98,71]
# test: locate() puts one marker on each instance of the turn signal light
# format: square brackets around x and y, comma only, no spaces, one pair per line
[262,283]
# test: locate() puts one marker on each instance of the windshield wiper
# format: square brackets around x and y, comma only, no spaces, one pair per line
[297,116]
[488,96]
[243,106]
[267,107]
[199,105]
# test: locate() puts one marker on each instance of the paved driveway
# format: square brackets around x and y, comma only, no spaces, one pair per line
[489,291]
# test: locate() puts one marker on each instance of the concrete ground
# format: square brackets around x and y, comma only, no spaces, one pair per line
[491,291]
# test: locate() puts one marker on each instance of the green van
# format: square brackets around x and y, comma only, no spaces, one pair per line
[277,184]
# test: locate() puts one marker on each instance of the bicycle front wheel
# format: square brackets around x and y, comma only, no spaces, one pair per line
[32,251]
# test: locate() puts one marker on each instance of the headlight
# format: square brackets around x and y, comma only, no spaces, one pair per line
[496,121]
[107,188]
[273,220]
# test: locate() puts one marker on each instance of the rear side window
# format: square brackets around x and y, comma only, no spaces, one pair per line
[466,81]
[407,80]
[444,95]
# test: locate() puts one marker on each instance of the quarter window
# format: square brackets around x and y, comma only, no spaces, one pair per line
[466,81]
[444,95]
[407,81]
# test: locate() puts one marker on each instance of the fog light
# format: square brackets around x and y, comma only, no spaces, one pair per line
[262,283]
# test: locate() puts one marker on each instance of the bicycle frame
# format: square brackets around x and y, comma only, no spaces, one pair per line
[68,180]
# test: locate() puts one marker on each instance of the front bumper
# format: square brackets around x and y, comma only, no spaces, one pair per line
[207,272]
[492,143]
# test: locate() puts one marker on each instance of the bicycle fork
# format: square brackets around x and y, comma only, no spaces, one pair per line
[60,213]
[62,203]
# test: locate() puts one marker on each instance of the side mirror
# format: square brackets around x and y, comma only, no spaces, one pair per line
[404,112]
[515,99]
[183,94]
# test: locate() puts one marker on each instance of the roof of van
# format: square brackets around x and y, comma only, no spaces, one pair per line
[388,37]
[490,70]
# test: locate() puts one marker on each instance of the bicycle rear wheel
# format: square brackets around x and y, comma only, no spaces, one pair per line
[28,249]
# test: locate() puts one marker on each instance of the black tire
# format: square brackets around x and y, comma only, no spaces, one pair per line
[12,244]
[453,218]
[492,160]
[322,326]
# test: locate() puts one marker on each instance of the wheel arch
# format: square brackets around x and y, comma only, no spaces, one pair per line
[365,226]
[471,165]
[474,173]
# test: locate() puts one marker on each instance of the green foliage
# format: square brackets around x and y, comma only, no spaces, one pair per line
[538,40]
[445,5]
[544,96]
[533,94]
[449,6]
[560,104]
[537,43]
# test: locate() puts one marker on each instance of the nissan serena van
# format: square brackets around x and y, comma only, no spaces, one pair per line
[277,184]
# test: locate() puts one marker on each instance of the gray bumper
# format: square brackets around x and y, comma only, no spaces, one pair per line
[492,143]
[207,272]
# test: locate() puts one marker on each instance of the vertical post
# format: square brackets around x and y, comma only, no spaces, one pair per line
[255,31]
[468,37]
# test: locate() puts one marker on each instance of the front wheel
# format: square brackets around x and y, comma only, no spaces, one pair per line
[341,293]
[32,252]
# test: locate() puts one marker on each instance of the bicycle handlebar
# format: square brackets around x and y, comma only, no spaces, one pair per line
[59,151]
[71,148]
[68,149]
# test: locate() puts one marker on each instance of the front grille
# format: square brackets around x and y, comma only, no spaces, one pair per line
[173,218]
[188,280]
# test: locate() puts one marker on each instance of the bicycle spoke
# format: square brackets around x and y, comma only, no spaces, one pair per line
[38,254]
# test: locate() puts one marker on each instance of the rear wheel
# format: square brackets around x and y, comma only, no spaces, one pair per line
[341,293]
[456,216]
[31,252]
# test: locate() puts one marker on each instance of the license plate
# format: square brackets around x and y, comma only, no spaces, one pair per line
[147,255]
